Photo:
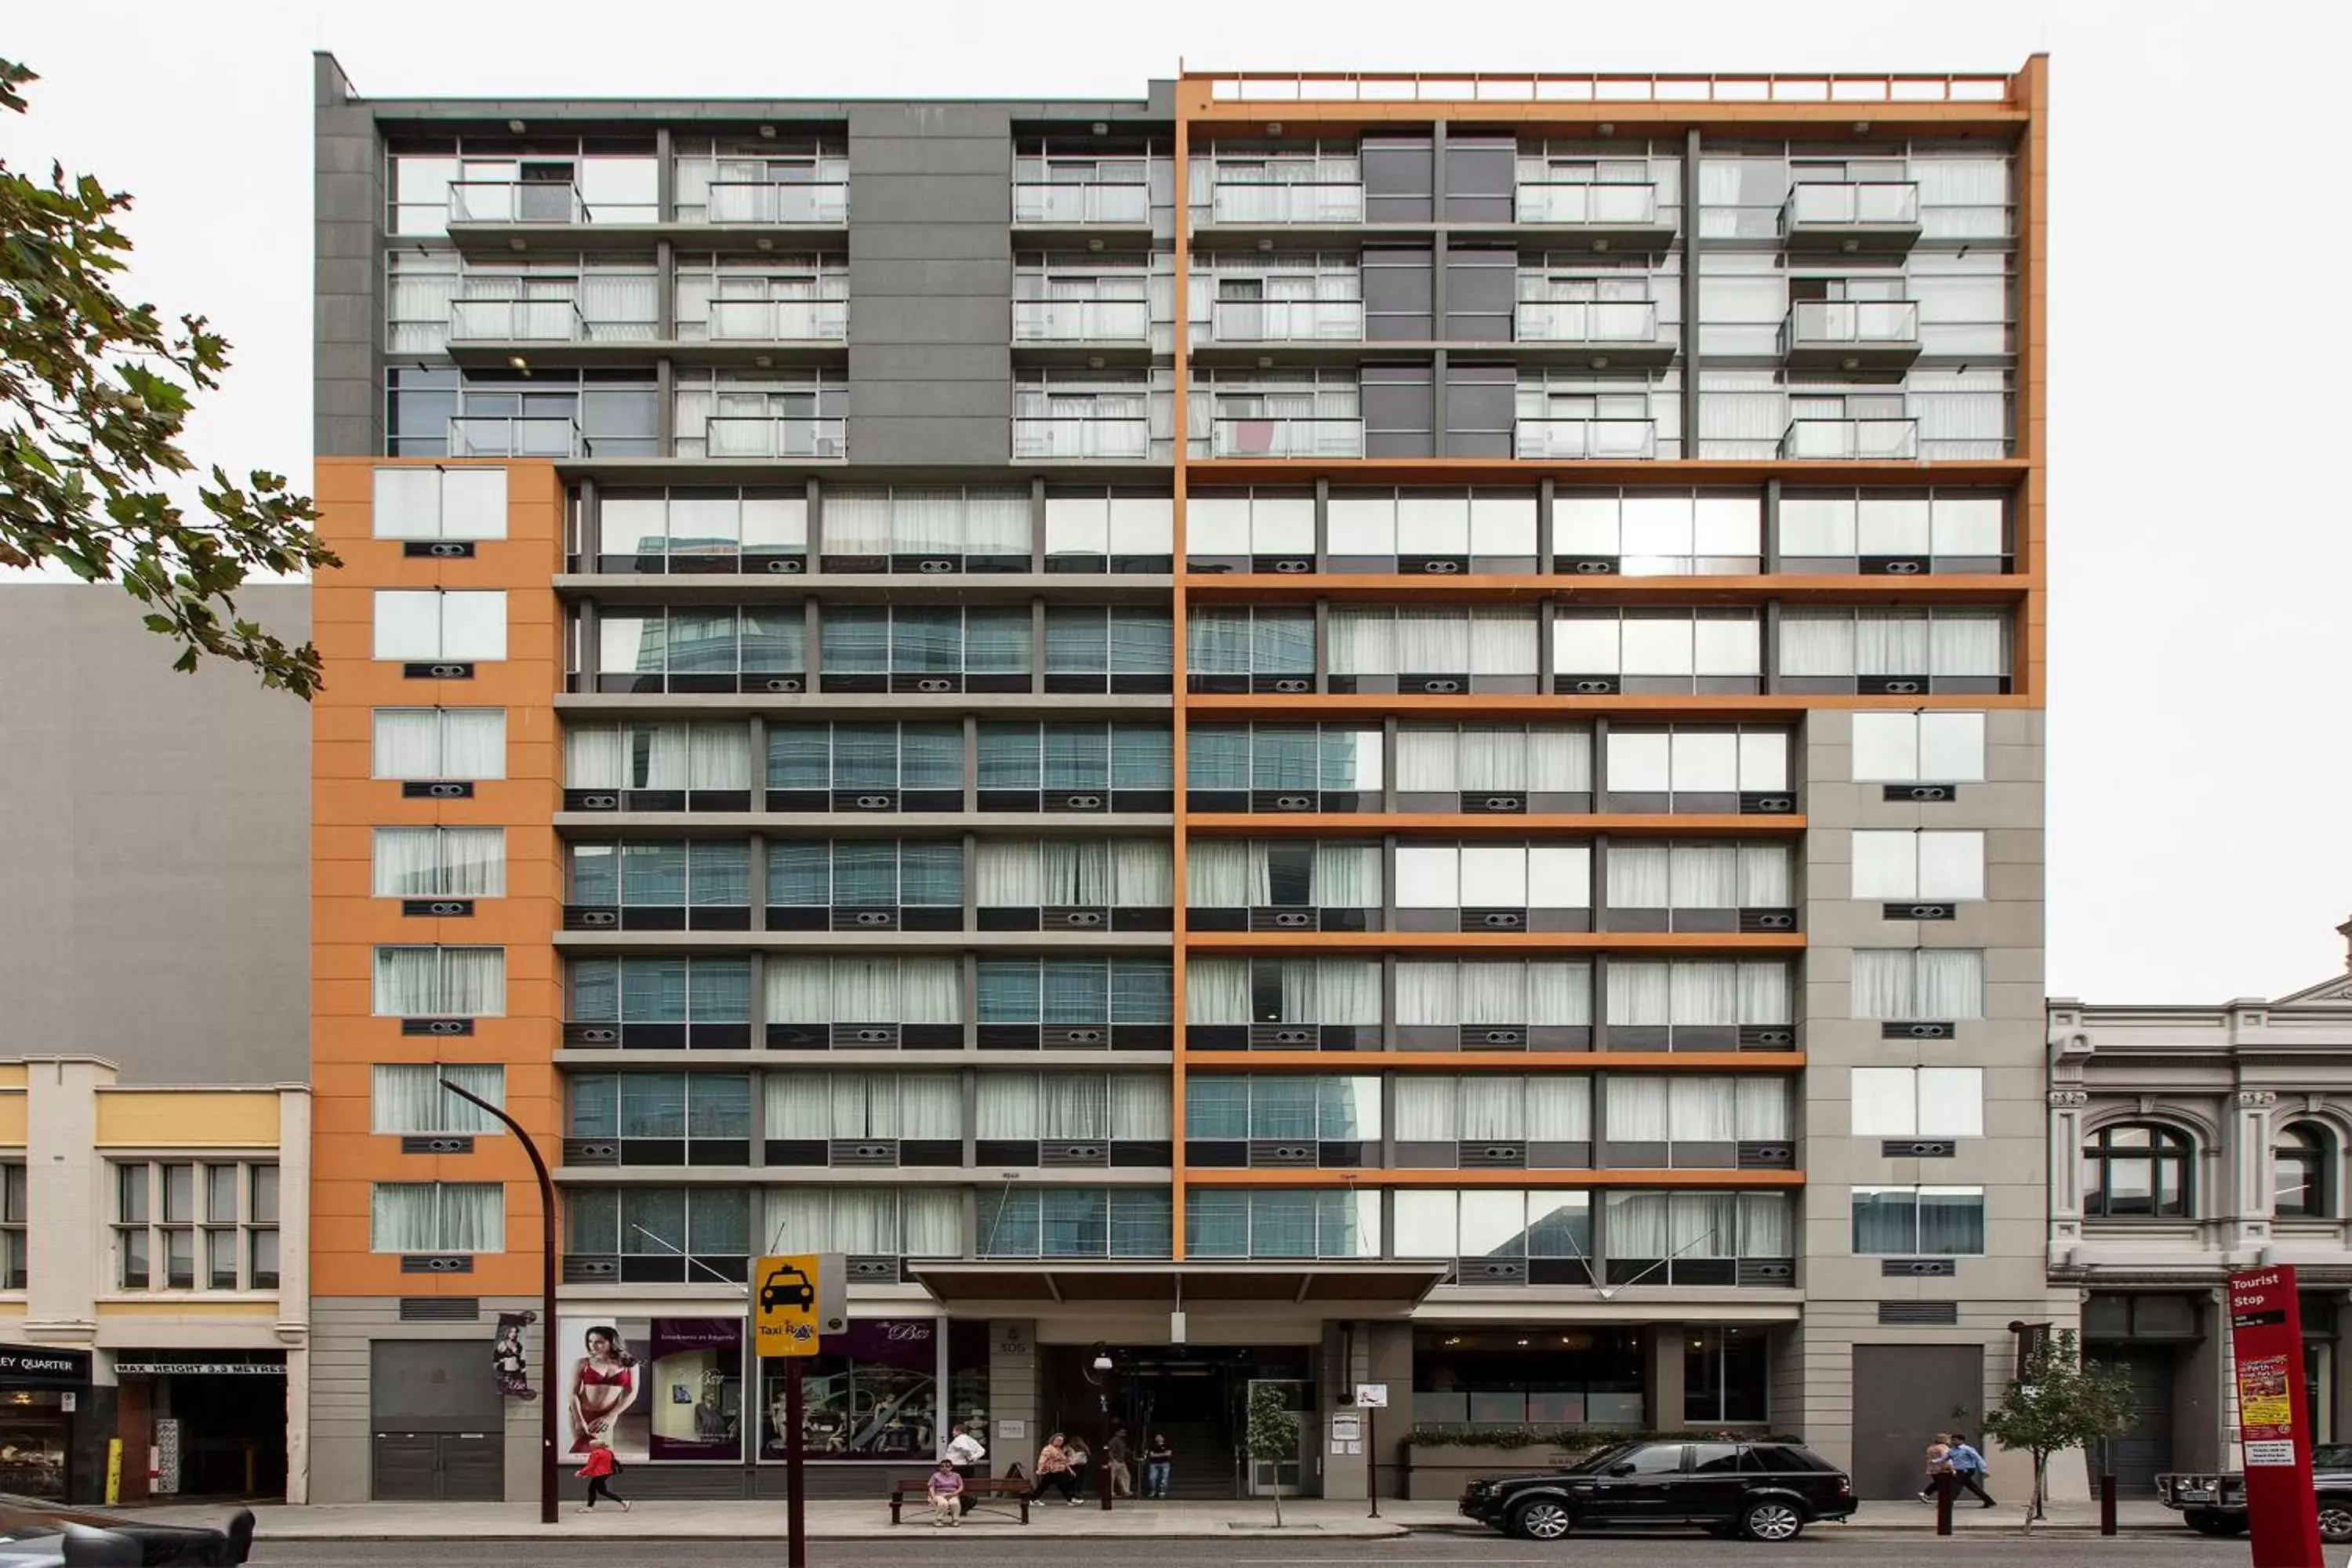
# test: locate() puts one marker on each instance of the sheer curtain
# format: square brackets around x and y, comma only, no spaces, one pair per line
[1560,1110]
[1431,641]
[1641,995]
[1701,1224]
[1766,1225]
[408,1097]
[1345,991]
[1559,993]
[1500,642]
[473,982]
[930,1105]
[1493,993]
[1637,1109]
[1426,1110]
[1964,643]
[799,1106]
[1142,873]
[1425,758]
[1226,873]
[1346,875]
[1217,642]
[1640,876]
[1705,992]
[1428,991]
[1761,1114]
[1764,993]
[1700,1110]
[1705,876]
[1010,875]
[408,862]
[1494,1108]
[1817,643]
[1636,1225]
[1950,983]
[1767,876]
[1882,983]
[1363,640]
[1951,1221]
[1140,1107]
[1216,991]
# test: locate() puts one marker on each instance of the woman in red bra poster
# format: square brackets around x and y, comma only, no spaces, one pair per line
[603,1386]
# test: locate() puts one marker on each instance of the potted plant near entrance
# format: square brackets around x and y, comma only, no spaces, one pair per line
[1273,1436]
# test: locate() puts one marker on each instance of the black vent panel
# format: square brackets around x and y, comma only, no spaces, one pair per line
[1919,1314]
[1919,1269]
[440,1310]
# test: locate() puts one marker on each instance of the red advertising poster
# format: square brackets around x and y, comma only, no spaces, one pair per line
[2266,1342]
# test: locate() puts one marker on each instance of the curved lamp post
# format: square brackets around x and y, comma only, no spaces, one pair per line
[1099,1372]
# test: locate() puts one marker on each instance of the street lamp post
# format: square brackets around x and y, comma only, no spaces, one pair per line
[1099,1372]
[548,1398]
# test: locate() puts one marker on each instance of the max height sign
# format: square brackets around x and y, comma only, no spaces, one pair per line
[2266,1340]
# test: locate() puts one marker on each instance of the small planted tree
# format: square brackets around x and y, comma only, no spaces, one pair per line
[1273,1436]
[2058,1402]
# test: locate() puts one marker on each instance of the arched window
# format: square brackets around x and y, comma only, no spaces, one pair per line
[2136,1171]
[2300,1188]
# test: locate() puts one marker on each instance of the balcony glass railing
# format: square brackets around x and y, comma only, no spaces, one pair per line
[1857,323]
[1286,321]
[763,436]
[1588,205]
[516,321]
[1843,205]
[518,201]
[765,201]
[1578,438]
[1846,440]
[779,321]
[1081,321]
[1588,321]
[1081,203]
[508,436]
[1306,438]
[1082,437]
[1296,201]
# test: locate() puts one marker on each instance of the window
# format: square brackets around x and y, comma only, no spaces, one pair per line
[1476,995]
[1244,1222]
[440,742]
[710,877]
[1694,767]
[1548,767]
[868,648]
[1940,866]
[440,981]
[811,1108]
[1382,647]
[807,876]
[1694,1238]
[1918,1222]
[1225,1107]
[1417,531]
[866,1222]
[701,530]
[1551,1231]
[2301,1185]
[1918,747]
[1115,530]
[664,1118]
[1313,990]
[912,530]
[1952,530]
[1903,984]
[1231,874]
[809,763]
[1443,1110]
[1698,877]
[1080,873]
[909,991]
[1021,996]
[1686,1110]
[408,1098]
[1023,1108]
[1656,535]
[1121,649]
[1226,649]
[190,1226]
[713,648]
[1329,767]
[441,503]
[665,991]
[428,624]
[1893,650]
[1130,767]
[14,1209]
[1921,1102]
[440,862]
[1590,1376]
[1073,1222]
[436,1216]
[1727,1376]
[674,1234]
[685,760]
[1658,650]
[2137,1171]
[1244,530]
[1698,1004]
[1479,885]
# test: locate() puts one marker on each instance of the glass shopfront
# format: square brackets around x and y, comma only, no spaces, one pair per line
[1526,1377]
[41,1390]
[870,1394]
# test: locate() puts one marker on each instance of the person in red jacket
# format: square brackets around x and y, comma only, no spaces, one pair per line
[599,1472]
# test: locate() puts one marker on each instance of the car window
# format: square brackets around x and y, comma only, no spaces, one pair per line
[1656,1458]
[1714,1458]
[2331,1456]
[1778,1458]
[1592,1464]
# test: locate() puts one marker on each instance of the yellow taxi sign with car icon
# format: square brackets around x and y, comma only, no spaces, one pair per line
[784,1304]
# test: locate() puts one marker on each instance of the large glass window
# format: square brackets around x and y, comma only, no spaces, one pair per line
[1949,531]
[1114,649]
[1304,767]
[1574,1375]
[1924,1103]
[440,862]
[702,529]
[436,1216]
[1657,650]
[430,625]
[1499,1236]
[865,1221]
[1075,873]
[702,766]
[919,1113]
[1432,531]
[408,1098]
[2302,1172]
[1072,1221]
[1224,1106]
[902,530]
[1697,1238]
[1382,647]
[1918,1222]
[705,989]
[1441,1110]
[185,1226]
[868,648]
[1654,533]
[1726,1374]
[1536,767]
[864,767]
[1903,984]
[440,981]
[1031,767]
[921,878]
[1552,999]
[1108,531]
[1232,874]
[1245,1222]
[1700,1004]
[1916,748]
[1241,650]
[1018,1110]
[1312,991]
[1892,650]
[711,878]
[714,648]
[2139,1170]
[436,504]
[1940,866]
[1695,767]
[1669,1114]
[433,743]
[1071,1001]
[1494,886]
[1249,531]
[1699,877]
[814,1001]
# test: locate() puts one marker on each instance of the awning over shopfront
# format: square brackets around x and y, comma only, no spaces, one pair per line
[1368,1288]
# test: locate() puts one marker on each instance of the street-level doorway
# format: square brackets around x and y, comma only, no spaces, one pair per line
[197,1424]
[1196,1396]
[437,1421]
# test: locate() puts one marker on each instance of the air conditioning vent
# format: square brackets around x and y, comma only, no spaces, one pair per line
[1067,1155]
[1076,919]
[437,550]
[435,1028]
[1491,1156]
[865,920]
[437,672]
[869,1153]
[1766,1271]
[1494,805]
[592,1035]
[1586,565]
[1894,566]
[1290,565]
[1490,1271]
[437,1144]
[1281,1152]
[578,917]
[1920,793]
[1284,1037]
[1768,1156]
[1054,1036]
[1281,920]
[1919,1314]
[1919,1029]
[437,908]
[1590,686]
[783,684]
[1917,1149]
[1500,1039]
[440,1310]
[580,1270]
[1769,921]
[1919,1269]
[1084,801]
[1918,911]
[1768,1037]
[870,1036]
[1891,685]
[872,1270]
[437,789]
[1752,804]
[437,1263]
[787,565]
[592,1152]
[591,800]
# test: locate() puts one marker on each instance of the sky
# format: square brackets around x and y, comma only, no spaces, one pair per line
[2198,564]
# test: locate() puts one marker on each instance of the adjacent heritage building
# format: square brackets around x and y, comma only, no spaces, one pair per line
[2188,1143]
[1315,729]
[154,1135]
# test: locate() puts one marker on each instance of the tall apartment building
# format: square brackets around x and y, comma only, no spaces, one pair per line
[1318,728]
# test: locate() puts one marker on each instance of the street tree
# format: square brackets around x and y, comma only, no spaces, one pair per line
[1272,1437]
[94,393]
[2060,1402]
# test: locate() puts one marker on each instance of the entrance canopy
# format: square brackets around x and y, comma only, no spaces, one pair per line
[1394,1287]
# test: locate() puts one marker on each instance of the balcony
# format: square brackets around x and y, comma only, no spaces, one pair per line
[1852,440]
[1625,331]
[1876,216]
[502,436]
[784,437]
[1607,216]
[517,322]
[1112,323]
[1851,334]
[519,202]
[815,204]
[1324,437]
[1101,214]
[1082,438]
[1577,440]
[780,320]
[1286,321]
[1248,204]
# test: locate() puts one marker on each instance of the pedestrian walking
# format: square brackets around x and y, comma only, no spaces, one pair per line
[946,1487]
[1079,1457]
[1158,1465]
[598,1471]
[1969,1468]
[1122,1480]
[1939,1459]
[964,1452]
[1053,1473]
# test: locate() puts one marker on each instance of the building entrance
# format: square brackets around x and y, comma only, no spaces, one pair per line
[1196,1396]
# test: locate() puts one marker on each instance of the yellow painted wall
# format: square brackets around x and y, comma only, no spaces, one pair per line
[13,1075]
[194,1306]
[12,1118]
[187,1118]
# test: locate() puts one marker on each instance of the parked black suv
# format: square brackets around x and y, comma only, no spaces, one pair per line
[1766,1491]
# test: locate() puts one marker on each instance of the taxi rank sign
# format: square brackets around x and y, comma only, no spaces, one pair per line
[2273,1423]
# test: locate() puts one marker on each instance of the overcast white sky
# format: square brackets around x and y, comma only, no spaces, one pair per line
[2197,737]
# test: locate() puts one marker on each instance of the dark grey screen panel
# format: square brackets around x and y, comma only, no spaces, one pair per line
[1899,1393]
[432,1386]
[931,283]
[347,310]
[1399,179]
[1480,407]
[1481,178]
[1399,404]
[1481,286]
[1399,295]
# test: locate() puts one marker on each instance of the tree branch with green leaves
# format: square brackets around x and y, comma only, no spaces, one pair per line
[2059,1402]
[94,394]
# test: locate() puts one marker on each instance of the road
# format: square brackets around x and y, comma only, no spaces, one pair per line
[996,1551]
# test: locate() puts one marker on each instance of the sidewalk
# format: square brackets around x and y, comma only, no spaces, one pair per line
[833,1520]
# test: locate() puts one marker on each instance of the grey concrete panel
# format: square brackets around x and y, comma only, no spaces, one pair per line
[345,275]
[876,277]
[918,399]
[934,440]
[913,237]
[935,155]
[930,362]
[154,836]
[983,321]
[990,120]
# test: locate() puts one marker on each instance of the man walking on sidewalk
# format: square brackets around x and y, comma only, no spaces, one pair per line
[1969,1470]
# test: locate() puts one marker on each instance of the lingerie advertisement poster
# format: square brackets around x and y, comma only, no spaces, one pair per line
[667,1390]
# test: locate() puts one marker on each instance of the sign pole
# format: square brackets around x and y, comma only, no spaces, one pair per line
[1372,1457]
[795,1511]
[2274,1422]
[788,1304]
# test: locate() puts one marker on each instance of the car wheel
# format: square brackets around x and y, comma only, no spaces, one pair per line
[1541,1519]
[2336,1520]
[1771,1520]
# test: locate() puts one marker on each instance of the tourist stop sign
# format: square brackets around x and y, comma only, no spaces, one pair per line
[2274,1422]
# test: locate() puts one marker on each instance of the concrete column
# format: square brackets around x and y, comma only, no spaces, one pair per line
[1662,1379]
[1691,217]
[2247,1151]
[65,1186]
[1013,1393]
[298,1425]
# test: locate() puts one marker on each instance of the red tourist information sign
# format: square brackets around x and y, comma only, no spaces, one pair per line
[2266,1342]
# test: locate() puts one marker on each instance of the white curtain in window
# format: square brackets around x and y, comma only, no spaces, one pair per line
[1701,1224]
[1493,993]
[401,1217]
[1641,995]
[1488,757]
[799,1106]
[406,862]
[1762,1109]
[799,990]
[1636,1223]
[1764,993]
[1008,1107]
[473,982]
[1226,874]
[1637,1109]
[1817,643]
[1560,759]
[1072,1105]
[408,743]
[1425,758]
[1345,877]
[1216,991]
[931,1222]
[1363,640]
[1559,994]
[1503,642]
[1640,876]
[1706,876]
[1705,993]
[1885,864]
[1767,876]
[931,1104]
[721,757]
[1494,1108]
[1142,873]
[1435,640]
[866,991]
[1951,745]
[1950,983]
[1426,1109]
[1012,875]
[1347,991]
[1641,761]
[1964,643]
[1428,992]
[1766,1225]
[1140,1107]
[1560,1110]
[1951,865]
[1890,642]
[1700,1110]
[408,1097]
[1882,984]
[856,522]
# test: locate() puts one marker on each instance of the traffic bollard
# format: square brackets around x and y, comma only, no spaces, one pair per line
[1944,1482]
[2107,1504]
